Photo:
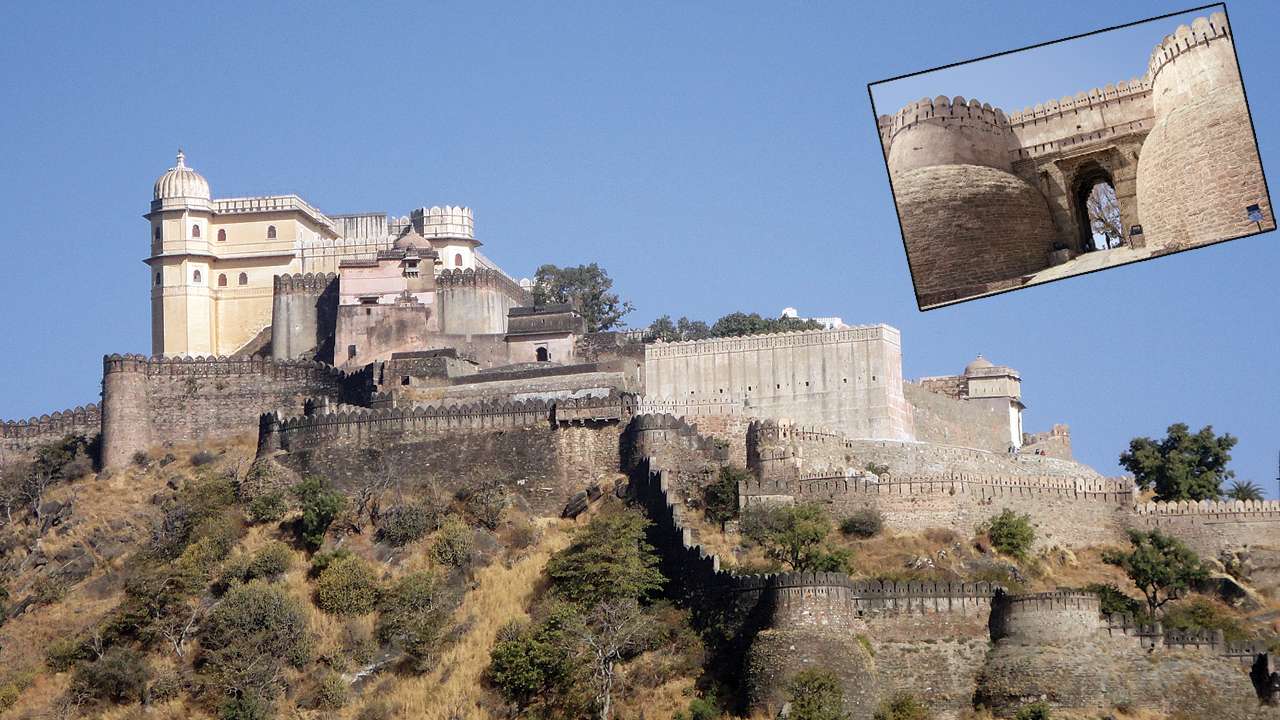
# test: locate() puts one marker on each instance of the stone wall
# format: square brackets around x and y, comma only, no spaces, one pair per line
[304,316]
[476,302]
[147,401]
[20,438]
[849,379]
[1056,443]
[949,421]
[1210,527]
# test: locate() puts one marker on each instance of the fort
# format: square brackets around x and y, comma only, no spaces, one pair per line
[372,349]
[987,198]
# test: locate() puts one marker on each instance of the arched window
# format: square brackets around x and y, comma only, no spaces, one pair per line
[244,278]
[457,260]
[543,356]
[271,232]
[222,279]
[195,277]
[156,234]
[195,231]
[222,235]
[158,280]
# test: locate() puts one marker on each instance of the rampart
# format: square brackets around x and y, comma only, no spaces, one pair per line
[476,302]
[948,420]
[849,378]
[945,131]
[1208,527]
[304,316]
[19,438]
[150,400]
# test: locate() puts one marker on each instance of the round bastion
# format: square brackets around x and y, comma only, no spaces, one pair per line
[1199,169]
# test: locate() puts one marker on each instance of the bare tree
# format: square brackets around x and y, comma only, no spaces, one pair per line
[1104,213]
[608,633]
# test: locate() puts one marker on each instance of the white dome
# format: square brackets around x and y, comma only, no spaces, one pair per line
[979,363]
[181,182]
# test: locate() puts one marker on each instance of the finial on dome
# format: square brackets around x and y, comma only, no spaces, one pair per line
[182,158]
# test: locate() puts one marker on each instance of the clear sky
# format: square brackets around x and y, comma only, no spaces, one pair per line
[712,156]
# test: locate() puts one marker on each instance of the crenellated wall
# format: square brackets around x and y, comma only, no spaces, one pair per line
[1210,527]
[152,400]
[476,302]
[304,316]
[945,131]
[19,438]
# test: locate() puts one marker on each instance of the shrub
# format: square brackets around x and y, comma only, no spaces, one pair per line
[65,652]
[1160,565]
[536,663]
[320,505]
[795,535]
[4,602]
[720,498]
[1011,533]
[270,562]
[347,587]
[704,708]
[331,691]
[141,459]
[452,545]
[485,503]
[266,508]
[863,523]
[609,559]
[246,641]
[412,616]
[47,590]
[1200,614]
[403,524]
[1113,601]
[877,469]
[902,706]
[202,457]
[323,559]
[1034,711]
[377,709]
[815,694]
[120,675]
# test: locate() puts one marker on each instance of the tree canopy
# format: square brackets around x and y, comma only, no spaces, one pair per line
[731,325]
[795,535]
[1182,466]
[609,559]
[587,289]
[1161,566]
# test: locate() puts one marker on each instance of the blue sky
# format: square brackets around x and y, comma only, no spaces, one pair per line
[712,156]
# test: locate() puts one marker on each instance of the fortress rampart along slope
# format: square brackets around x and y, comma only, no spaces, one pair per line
[987,198]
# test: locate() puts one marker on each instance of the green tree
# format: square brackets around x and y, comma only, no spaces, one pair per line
[320,505]
[587,289]
[1011,533]
[1113,601]
[662,329]
[608,559]
[1181,466]
[815,694]
[1161,566]
[119,676]
[740,323]
[720,497]
[536,664]
[412,617]
[796,535]
[1245,491]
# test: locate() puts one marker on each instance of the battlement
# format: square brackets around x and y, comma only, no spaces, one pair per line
[309,283]
[271,203]
[951,111]
[1051,618]
[693,408]
[831,483]
[62,422]
[1132,88]
[445,221]
[1224,509]
[482,278]
[1185,39]
[215,365]
[798,338]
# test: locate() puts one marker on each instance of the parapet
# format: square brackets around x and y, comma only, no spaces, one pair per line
[1224,509]
[309,283]
[214,365]
[1185,39]
[798,338]
[448,221]
[482,278]
[1134,87]
[62,422]
[946,131]
[1047,617]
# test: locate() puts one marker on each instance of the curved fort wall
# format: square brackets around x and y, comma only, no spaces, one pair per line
[945,131]
[1199,168]
[151,400]
[304,316]
[20,438]
[476,302]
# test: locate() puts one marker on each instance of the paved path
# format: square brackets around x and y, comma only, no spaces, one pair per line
[1091,261]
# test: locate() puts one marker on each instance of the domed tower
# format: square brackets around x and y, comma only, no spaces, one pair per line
[1198,170]
[966,218]
[179,273]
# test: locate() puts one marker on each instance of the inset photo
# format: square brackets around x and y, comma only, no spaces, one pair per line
[1072,156]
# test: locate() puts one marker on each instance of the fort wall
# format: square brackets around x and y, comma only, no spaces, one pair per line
[1210,527]
[848,378]
[945,131]
[950,421]
[476,302]
[146,401]
[20,438]
[304,316]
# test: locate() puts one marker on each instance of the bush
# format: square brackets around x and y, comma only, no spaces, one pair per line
[1034,711]
[141,459]
[532,664]
[1202,614]
[795,535]
[347,587]
[403,524]
[377,709]
[120,675]
[452,545]
[902,706]
[246,641]
[267,508]
[1113,601]
[320,505]
[609,559]
[1011,533]
[47,590]
[863,523]
[202,457]
[270,562]
[704,708]
[816,694]
[323,559]
[485,503]
[720,498]
[877,469]
[331,691]
[412,615]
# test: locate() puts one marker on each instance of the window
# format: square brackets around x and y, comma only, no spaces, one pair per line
[457,260]
[195,277]
[222,279]
[404,379]
[543,356]
[156,234]
[222,235]
[158,281]
[195,231]
[351,351]
[244,278]
[271,232]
